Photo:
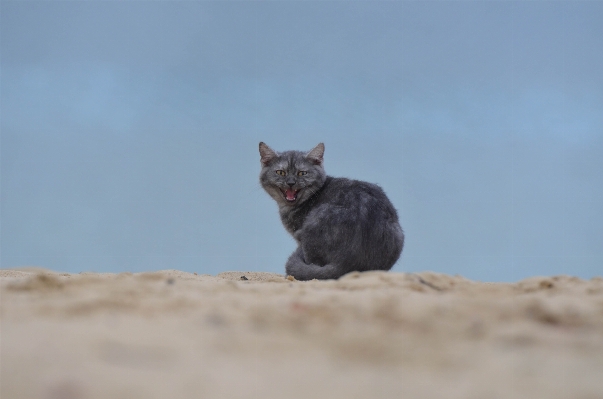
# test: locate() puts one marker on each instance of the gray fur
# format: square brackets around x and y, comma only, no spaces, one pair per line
[340,225]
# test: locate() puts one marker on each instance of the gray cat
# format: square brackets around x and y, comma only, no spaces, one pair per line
[340,225]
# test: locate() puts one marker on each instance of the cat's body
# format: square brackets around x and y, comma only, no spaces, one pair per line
[340,225]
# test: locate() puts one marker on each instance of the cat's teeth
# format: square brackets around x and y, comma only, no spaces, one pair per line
[291,195]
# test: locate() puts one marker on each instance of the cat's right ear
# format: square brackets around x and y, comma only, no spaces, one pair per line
[316,154]
[267,154]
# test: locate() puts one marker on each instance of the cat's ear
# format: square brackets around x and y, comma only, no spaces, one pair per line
[267,154]
[315,155]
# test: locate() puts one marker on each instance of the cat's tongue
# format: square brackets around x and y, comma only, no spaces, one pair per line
[290,194]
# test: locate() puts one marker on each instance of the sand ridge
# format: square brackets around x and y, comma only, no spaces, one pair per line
[252,334]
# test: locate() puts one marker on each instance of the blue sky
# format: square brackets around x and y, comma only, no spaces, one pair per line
[129,130]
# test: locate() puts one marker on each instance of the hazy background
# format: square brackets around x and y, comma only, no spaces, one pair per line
[130,130]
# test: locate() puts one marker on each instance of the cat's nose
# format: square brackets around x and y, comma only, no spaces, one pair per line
[291,182]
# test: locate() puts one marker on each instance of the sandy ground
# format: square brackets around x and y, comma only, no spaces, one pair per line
[172,334]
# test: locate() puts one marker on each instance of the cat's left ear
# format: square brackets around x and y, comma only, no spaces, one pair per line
[315,155]
[267,154]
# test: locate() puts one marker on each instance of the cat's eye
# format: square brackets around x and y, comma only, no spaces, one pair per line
[302,173]
[281,172]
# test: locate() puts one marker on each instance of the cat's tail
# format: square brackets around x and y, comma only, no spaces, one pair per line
[298,268]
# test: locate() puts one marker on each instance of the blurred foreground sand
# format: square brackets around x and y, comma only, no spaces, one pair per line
[172,334]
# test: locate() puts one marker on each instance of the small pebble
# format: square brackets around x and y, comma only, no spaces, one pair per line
[244,278]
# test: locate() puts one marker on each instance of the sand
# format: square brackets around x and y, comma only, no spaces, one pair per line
[172,334]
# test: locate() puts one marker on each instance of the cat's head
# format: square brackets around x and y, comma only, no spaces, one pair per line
[292,177]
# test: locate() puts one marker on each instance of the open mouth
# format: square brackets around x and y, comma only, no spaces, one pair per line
[290,194]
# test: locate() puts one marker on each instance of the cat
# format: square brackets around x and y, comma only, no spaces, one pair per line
[340,225]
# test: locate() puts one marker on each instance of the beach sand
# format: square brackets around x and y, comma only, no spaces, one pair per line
[172,334]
